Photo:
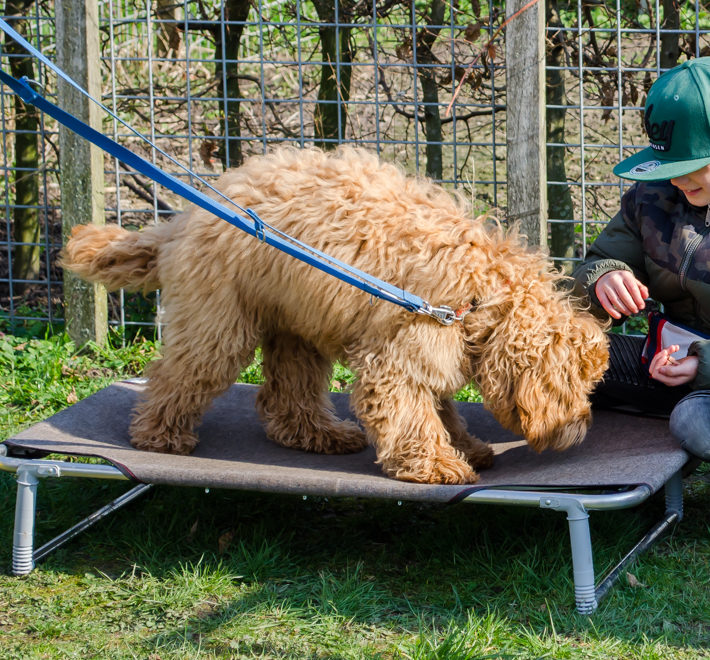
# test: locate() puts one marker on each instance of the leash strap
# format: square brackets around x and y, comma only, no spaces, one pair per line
[254,226]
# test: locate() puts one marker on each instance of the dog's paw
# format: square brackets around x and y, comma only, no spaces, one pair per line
[448,471]
[346,438]
[339,437]
[182,445]
[479,454]
[482,457]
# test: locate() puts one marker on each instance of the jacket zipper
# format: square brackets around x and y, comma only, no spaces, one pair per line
[690,251]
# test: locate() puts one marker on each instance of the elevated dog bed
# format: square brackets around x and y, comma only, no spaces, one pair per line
[623,460]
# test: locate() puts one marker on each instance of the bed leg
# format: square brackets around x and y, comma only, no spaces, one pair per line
[24,556]
[582,559]
[87,522]
[25,506]
[674,496]
[673,514]
[581,543]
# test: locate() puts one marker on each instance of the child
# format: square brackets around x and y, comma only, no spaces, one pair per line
[658,246]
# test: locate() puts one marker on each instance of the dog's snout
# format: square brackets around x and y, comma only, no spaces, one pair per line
[560,437]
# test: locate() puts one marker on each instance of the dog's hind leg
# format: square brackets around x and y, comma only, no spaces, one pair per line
[294,401]
[478,453]
[200,361]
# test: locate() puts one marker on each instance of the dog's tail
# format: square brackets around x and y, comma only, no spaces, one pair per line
[113,256]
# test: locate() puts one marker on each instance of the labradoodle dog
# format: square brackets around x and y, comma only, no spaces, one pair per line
[532,353]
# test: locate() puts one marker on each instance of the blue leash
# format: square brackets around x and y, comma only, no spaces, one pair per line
[253,226]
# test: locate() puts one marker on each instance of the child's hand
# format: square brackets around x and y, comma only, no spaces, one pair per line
[669,371]
[620,293]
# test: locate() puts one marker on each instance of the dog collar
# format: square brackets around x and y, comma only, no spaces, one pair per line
[462,311]
[446,315]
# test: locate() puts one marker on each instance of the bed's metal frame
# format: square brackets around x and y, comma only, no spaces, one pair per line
[576,505]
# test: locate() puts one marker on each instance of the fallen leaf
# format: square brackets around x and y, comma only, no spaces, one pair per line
[72,397]
[207,149]
[634,581]
[225,541]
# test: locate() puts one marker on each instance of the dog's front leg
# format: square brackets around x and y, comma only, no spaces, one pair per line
[478,453]
[404,425]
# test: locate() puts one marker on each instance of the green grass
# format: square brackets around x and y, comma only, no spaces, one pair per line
[42,376]
[188,574]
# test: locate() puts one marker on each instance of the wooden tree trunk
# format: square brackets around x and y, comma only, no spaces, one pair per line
[430,90]
[168,33]
[334,91]
[559,197]
[227,73]
[26,223]
[670,48]
[81,163]
[525,120]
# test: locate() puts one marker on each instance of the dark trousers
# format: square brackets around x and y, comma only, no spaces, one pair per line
[627,385]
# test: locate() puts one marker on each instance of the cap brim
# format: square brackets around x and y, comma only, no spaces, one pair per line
[648,165]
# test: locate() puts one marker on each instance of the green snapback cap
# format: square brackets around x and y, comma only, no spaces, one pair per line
[677,122]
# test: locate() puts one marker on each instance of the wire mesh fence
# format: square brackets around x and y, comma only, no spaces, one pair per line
[422,83]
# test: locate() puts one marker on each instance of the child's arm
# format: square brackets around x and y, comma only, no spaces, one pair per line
[618,248]
[669,371]
[620,293]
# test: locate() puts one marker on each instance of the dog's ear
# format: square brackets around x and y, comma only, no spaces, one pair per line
[536,363]
[549,418]
[552,391]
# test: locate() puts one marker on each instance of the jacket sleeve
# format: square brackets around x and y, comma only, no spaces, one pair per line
[618,247]
[701,348]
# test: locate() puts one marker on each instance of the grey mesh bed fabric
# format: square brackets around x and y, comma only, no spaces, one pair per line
[623,459]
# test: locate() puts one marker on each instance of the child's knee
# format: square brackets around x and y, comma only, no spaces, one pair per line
[690,424]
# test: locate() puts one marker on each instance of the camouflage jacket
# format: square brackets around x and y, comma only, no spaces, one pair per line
[665,242]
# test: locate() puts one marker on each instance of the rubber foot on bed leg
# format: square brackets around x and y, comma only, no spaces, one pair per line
[22,562]
[586,599]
